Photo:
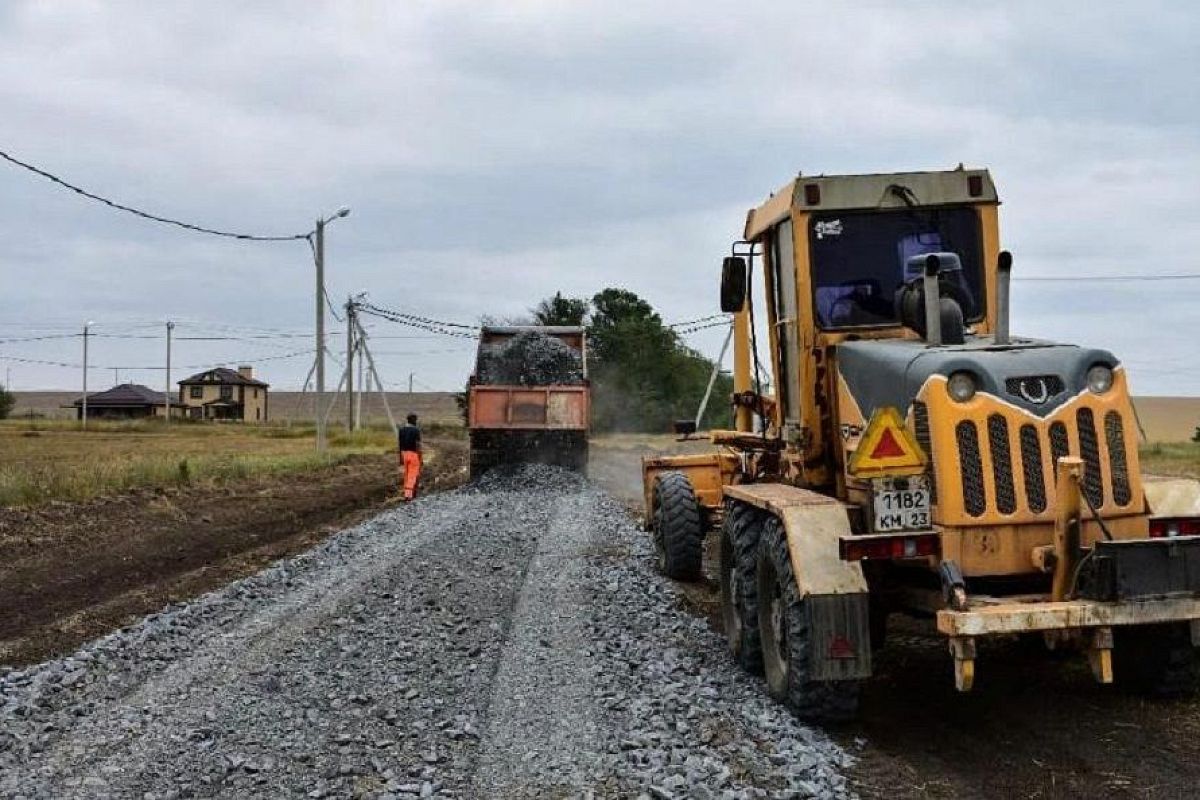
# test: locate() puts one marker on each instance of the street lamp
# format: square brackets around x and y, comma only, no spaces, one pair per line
[319,256]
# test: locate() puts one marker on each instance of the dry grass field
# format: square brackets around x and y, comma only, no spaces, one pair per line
[56,461]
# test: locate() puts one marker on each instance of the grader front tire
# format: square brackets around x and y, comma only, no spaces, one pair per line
[678,531]
[739,588]
[787,638]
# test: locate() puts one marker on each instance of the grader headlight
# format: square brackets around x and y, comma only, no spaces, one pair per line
[961,386]
[1099,378]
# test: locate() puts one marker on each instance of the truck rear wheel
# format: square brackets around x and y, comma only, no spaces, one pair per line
[678,535]
[739,587]
[1156,659]
[783,622]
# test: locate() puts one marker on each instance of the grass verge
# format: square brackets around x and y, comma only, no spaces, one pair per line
[57,461]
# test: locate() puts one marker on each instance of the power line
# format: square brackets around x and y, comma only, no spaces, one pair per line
[1182,276]
[690,322]
[145,214]
[422,323]
[724,323]
[209,365]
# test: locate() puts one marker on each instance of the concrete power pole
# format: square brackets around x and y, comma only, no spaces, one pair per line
[410,382]
[85,371]
[350,365]
[320,259]
[363,388]
[167,388]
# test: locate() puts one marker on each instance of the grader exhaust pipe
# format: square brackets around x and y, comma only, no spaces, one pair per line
[933,301]
[1003,279]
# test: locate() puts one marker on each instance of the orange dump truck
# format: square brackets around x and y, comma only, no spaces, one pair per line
[528,399]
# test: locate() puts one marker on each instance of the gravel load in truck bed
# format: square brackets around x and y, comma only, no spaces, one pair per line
[530,358]
[508,639]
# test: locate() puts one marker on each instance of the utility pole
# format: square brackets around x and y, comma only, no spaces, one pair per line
[116,376]
[363,388]
[319,257]
[86,326]
[167,388]
[366,351]
[349,364]
[410,382]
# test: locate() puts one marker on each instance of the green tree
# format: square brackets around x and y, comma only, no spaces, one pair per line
[559,310]
[643,375]
[7,401]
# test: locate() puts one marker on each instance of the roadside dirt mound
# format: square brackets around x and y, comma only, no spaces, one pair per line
[72,571]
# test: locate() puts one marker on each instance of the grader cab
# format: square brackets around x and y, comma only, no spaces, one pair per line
[916,458]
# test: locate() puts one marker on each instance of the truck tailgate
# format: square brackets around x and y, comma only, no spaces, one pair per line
[528,407]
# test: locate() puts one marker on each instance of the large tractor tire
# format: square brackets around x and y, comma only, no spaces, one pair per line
[678,531]
[740,533]
[783,621]
[1156,660]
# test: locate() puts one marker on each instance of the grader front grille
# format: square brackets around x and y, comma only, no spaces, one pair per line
[991,481]
[1031,466]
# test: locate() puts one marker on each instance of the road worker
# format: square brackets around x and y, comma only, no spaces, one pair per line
[409,436]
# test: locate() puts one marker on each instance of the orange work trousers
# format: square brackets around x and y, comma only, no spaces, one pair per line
[410,465]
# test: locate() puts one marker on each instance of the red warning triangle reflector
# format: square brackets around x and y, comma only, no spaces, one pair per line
[887,447]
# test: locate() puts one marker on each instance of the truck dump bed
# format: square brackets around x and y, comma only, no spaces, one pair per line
[529,399]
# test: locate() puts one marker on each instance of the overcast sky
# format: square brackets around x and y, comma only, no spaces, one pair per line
[494,153]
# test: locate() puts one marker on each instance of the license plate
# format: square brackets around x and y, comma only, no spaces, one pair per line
[902,504]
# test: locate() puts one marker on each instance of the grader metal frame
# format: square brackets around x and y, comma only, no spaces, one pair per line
[915,458]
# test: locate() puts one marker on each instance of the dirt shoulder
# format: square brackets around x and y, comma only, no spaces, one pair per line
[72,571]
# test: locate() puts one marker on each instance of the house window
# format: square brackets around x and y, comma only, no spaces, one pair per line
[197,392]
[226,392]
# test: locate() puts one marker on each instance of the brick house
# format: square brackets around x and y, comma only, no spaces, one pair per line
[126,401]
[225,394]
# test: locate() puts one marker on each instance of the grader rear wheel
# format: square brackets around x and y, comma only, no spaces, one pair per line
[678,534]
[739,589]
[786,638]
[1156,659]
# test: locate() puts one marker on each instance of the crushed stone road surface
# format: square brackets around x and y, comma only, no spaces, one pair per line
[507,639]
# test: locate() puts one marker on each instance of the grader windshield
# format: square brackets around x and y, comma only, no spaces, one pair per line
[858,260]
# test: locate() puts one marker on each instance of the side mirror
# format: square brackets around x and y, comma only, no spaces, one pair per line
[685,428]
[733,284]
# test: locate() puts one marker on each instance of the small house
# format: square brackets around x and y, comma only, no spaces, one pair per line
[225,394]
[126,401]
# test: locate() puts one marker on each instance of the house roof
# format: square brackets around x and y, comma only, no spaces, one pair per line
[126,394]
[224,376]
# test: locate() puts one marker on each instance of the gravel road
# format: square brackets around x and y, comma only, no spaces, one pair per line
[507,639]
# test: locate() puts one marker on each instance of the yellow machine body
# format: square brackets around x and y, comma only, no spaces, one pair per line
[1033,438]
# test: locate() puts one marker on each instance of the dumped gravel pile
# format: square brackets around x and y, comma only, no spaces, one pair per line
[503,640]
[530,358]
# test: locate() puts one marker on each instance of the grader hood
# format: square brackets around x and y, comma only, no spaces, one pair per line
[1036,377]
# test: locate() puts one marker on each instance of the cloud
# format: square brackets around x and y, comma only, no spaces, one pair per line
[494,153]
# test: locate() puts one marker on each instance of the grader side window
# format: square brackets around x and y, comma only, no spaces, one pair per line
[783,282]
[858,260]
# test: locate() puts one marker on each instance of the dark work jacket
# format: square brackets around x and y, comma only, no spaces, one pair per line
[409,437]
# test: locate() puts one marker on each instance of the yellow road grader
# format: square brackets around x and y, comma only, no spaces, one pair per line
[914,457]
